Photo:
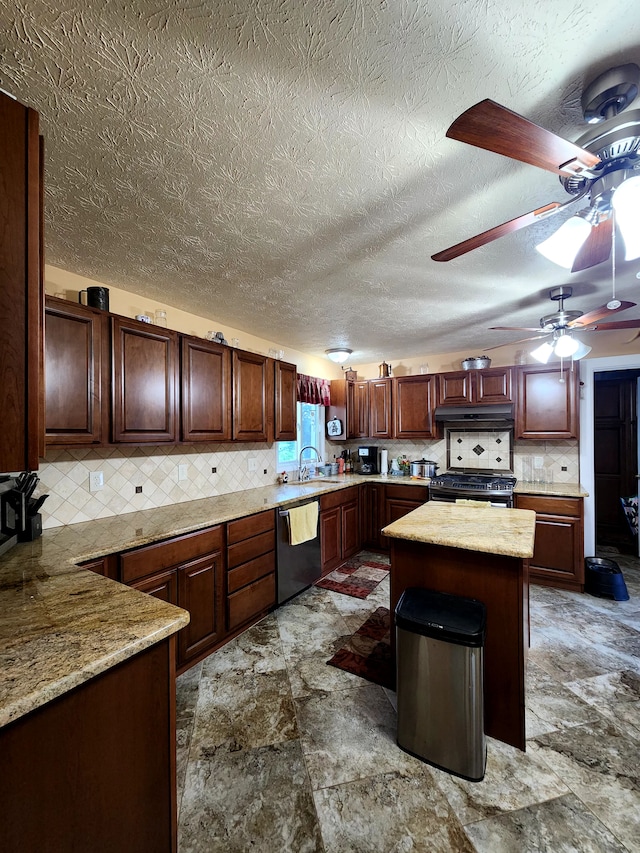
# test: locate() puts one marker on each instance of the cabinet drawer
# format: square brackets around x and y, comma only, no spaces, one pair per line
[550,505]
[251,571]
[243,528]
[241,552]
[343,496]
[152,558]
[418,494]
[251,600]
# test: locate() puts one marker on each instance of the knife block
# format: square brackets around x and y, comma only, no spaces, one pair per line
[32,528]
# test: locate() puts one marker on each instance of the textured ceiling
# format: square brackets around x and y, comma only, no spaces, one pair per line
[281,166]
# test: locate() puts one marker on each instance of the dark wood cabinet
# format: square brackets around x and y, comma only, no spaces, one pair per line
[285,395]
[200,591]
[251,569]
[558,556]
[163,585]
[398,501]
[75,361]
[144,382]
[339,527]
[252,397]
[547,402]
[21,290]
[205,384]
[489,385]
[106,566]
[414,407]
[371,515]
[380,408]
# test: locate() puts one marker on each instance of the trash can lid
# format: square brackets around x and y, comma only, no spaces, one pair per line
[442,616]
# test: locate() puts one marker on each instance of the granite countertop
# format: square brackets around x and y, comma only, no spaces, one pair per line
[560,490]
[508,532]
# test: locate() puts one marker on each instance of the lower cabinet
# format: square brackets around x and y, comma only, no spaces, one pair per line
[251,568]
[384,503]
[339,527]
[558,556]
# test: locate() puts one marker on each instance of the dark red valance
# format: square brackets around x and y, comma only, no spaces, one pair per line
[314,390]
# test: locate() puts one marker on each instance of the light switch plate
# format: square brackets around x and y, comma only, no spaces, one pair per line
[253,463]
[183,472]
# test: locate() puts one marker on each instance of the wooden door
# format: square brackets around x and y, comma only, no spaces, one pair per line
[145,373]
[21,289]
[546,401]
[285,427]
[615,455]
[330,539]
[372,508]
[74,364]
[252,397]
[350,529]
[455,388]
[200,591]
[361,409]
[163,585]
[414,406]
[380,398]
[205,380]
[493,385]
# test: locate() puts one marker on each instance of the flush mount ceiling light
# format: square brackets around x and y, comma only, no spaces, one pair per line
[338,354]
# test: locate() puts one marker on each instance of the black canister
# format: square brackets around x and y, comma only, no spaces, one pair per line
[97,297]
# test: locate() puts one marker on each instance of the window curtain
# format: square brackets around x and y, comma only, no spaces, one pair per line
[313,390]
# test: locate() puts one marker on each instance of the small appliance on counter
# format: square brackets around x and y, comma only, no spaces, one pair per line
[367,460]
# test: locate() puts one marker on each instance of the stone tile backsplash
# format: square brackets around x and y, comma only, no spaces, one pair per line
[64,475]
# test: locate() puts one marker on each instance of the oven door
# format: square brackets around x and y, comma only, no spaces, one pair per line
[468,499]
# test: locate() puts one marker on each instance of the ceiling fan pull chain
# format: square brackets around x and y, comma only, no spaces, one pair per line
[614,303]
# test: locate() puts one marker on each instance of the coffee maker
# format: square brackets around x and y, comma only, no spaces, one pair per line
[368,460]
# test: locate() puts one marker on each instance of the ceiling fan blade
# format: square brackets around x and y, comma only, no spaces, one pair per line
[495,128]
[617,324]
[513,343]
[596,248]
[599,314]
[515,329]
[499,231]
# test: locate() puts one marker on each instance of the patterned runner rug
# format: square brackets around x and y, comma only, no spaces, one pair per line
[358,576]
[367,653]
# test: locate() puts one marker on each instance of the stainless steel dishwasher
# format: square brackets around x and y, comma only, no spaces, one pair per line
[298,565]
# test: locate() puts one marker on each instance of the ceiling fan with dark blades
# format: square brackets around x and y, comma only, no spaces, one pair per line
[595,166]
[561,325]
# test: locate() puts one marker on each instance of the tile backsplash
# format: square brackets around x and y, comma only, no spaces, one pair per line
[64,474]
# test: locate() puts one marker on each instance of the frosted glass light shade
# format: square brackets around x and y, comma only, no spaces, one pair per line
[565,346]
[338,354]
[582,350]
[543,353]
[626,203]
[563,246]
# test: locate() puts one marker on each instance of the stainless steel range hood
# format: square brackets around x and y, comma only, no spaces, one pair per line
[493,412]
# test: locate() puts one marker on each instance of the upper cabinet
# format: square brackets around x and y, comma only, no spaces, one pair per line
[358,409]
[285,391]
[414,406]
[21,292]
[75,340]
[145,374]
[380,411]
[252,396]
[547,402]
[205,379]
[490,385]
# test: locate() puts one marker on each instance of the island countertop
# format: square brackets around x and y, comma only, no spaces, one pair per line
[509,532]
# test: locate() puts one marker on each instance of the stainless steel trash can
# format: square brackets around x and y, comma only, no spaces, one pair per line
[440,655]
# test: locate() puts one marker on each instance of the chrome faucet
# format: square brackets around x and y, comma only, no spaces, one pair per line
[303,473]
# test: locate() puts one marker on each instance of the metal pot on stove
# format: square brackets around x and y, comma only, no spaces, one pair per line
[423,468]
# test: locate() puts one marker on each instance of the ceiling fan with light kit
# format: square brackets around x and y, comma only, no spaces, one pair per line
[602,166]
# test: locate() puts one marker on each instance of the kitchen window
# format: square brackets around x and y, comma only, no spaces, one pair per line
[310,418]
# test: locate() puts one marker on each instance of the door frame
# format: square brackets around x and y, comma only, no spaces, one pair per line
[587,475]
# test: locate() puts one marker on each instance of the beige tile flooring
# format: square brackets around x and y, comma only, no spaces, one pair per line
[279,752]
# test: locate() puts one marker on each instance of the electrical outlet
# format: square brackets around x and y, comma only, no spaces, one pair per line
[183,472]
[538,462]
[96,481]
[253,464]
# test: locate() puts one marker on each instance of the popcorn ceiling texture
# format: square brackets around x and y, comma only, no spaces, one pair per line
[282,165]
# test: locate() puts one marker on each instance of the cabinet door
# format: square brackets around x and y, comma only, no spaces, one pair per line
[74,337]
[206,391]
[358,409]
[372,505]
[493,385]
[21,289]
[285,428]
[164,586]
[330,539]
[546,402]
[380,396]
[558,556]
[252,397]
[200,592]
[350,529]
[455,387]
[144,364]
[414,407]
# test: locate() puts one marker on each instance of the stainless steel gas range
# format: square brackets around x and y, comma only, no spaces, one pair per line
[493,488]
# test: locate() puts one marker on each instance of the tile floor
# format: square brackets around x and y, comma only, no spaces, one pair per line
[279,752]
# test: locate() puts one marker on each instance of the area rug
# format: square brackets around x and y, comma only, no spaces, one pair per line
[367,653]
[358,576]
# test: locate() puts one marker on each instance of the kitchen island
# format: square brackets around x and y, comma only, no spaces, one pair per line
[482,553]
